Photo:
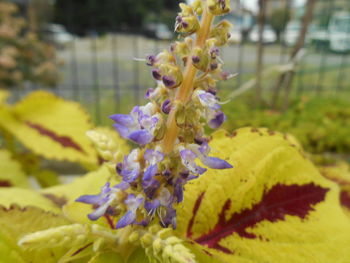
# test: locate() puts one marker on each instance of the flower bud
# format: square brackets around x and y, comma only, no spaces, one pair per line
[218,7]
[172,75]
[200,59]
[197,7]
[166,106]
[183,49]
[186,22]
[221,32]
[156,74]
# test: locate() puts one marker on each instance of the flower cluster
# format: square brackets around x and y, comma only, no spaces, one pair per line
[169,129]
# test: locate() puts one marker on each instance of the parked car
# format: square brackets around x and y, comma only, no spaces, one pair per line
[292,32]
[159,31]
[336,36]
[57,35]
[269,36]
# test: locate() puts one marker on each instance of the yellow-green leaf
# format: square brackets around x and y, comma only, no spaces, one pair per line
[107,257]
[15,223]
[11,173]
[340,174]
[26,197]
[271,207]
[51,127]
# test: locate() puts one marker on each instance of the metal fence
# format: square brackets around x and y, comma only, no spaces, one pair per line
[102,74]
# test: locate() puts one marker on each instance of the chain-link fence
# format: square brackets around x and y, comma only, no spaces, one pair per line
[102,71]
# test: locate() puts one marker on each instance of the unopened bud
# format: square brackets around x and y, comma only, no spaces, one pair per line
[221,32]
[218,7]
[166,106]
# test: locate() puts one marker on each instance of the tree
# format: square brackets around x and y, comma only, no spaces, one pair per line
[82,16]
[279,19]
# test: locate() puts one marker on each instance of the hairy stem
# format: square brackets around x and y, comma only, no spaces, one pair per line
[184,91]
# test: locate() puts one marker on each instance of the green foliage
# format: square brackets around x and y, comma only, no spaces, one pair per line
[110,15]
[279,19]
[319,123]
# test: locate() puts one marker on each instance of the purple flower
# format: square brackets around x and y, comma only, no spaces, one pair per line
[139,126]
[188,158]
[149,184]
[201,152]
[208,100]
[130,168]
[103,200]
[133,203]
[152,158]
[150,187]
[216,119]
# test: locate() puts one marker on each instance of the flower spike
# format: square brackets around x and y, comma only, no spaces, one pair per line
[170,129]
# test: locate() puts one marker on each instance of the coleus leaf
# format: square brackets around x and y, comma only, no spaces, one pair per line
[340,174]
[16,222]
[11,173]
[27,197]
[51,127]
[107,257]
[273,205]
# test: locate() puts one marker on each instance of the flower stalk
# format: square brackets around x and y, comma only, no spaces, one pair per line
[184,91]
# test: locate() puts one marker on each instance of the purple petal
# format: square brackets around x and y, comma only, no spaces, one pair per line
[149,93]
[89,199]
[130,176]
[215,163]
[100,211]
[133,202]
[195,59]
[126,220]
[166,106]
[178,192]
[170,218]
[123,119]
[168,81]
[122,130]
[188,155]
[150,172]
[151,206]
[204,148]
[150,187]
[150,60]
[153,156]
[209,100]
[122,185]
[218,119]
[141,137]
[188,158]
[156,74]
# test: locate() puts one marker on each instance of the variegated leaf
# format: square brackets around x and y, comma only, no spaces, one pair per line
[272,206]
[11,173]
[51,127]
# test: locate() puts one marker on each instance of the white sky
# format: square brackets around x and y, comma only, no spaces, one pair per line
[252,4]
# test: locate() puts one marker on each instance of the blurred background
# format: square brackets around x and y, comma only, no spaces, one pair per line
[291,56]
